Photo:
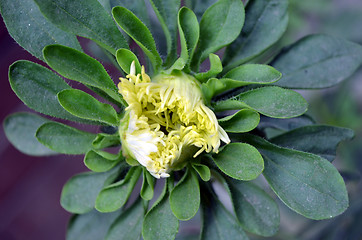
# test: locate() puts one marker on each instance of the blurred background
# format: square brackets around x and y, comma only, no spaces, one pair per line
[30,187]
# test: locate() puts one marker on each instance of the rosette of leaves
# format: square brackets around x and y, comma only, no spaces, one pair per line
[249,97]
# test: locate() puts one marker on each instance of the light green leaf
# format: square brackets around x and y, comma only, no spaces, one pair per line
[125,58]
[138,7]
[20,129]
[265,23]
[139,33]
[270,101]
[148,185]
[215,68]
[91,226]
[80,67]
[114,196]
[202,170]
[100,161]
[244,120]
[128,225]
[317,139]
[64,139]
[80,192]
[257,212]
[85,106]
[85,18]
[326,61]
[106,140]
[219,26]
[306,183]
[240,161]
[211,88]
[185,196]
[23,18]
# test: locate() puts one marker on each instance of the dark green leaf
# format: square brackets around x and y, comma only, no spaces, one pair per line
[244,120]
[90,226]
[285,124]
[85,18]
[138,7]
[325,62]
[265,23]
[166,12]
[64,139]
[125,58]
[100,161]
[28,80]
[106,140]
[159,222]
[85,106]
[257,212]
[139,33]
[199,7]
[320,140]
[23,19]
[128,225]
[307,183]
[80,67]
[114,196]
[20,129]
[185,196]
[80,192]
[203,171]
[148,185]
[271,101]
[215,68]
[219,26]
[240,161]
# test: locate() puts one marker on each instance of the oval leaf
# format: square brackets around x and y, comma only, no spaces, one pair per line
[244,120]
[215,68]
[100,161]
[125,58]
[148,185]
[203,171]
[104,140]
[240,161]
[64,139]
[326,61]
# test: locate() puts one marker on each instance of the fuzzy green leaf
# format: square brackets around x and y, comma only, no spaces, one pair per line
[100,161]
[80,192]
[270,101]
[106,140]
[240,161]
[215,68]
[185,196]
[265,23]
[148,185]
[31,29]
[85,18]
[114,196]
[20,129]
[85,106]
[125,58]
[139,33]
[244,120]
[285,124]
[325,62]
[320,140]
[64,139]
[202,170]
[138,7]
[257,212]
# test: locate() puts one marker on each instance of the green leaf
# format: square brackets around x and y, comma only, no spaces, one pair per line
[185,196]
[199,7]
[20,129]
[85,18]
[159,222]
[138,7]
[125,58]
[218,222]
[240,161]
[80,67]
[166,12]
[106,140]
[265,23]
[257,212]
[189,32]
[91,226]
[320,140]
[202,170]
[244,120]
[128,225]
[85,106]
[139,33]
[23,18]
[215,68]
[270,101]
[250,74]
[285,124]
[64,139]
[100,161]
[326,61]
[27,78]
[80,192]
[114,196]
[306,183]
[148,185]
[211,88]
[219,26]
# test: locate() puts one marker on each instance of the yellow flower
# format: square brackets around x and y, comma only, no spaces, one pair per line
[166,121]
